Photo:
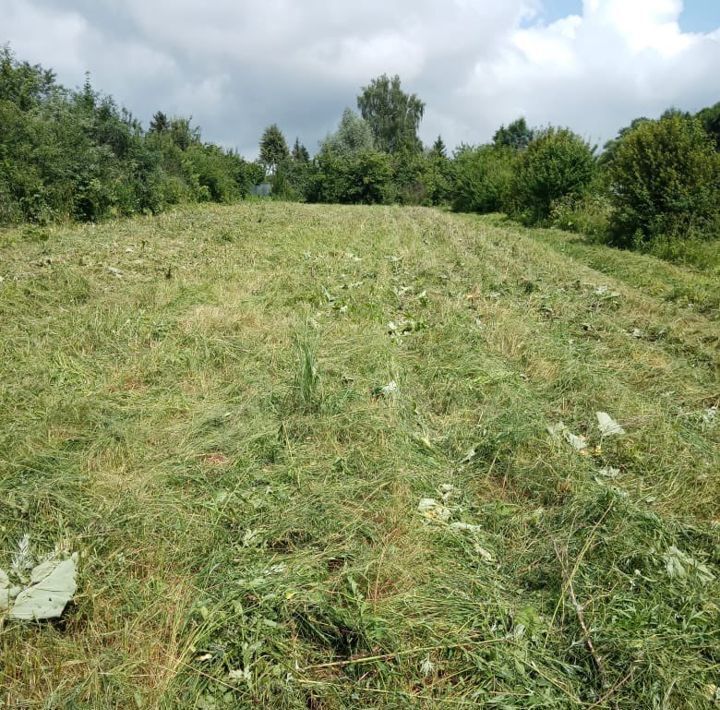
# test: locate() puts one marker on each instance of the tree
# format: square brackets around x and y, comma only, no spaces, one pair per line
[300,152]
[665,181]
[517,135]
[609,149]
[24,84]
[710,119]
[482,178]
[183,134]
[557,163]
[364,177]
[352,136]
[394,116]
[87,98]
[159,123]
[438,149]
[273,148]
[77,154]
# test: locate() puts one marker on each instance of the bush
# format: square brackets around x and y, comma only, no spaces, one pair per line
[361,178]
[700,253]
[589,213]
[482,178]
[665,179]
[410,177]
[77,155]
[557,164]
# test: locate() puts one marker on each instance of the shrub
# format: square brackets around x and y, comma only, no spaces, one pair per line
[557,164]
[665,180]
[589,213]
[361,178]
[66,154]
[482,178]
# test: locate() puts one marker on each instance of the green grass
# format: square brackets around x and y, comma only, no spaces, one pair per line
[207,429]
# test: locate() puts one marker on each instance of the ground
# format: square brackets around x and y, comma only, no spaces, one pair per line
[236,415]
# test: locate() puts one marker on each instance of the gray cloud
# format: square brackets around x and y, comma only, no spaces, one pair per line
[237,66]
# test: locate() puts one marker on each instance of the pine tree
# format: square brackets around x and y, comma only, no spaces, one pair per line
[438,149]
[273,148]
[159,123]
[300,152]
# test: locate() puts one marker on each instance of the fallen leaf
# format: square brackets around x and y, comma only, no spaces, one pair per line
[389,389]
[608,426]
[579,443]
[680,564]
[465,526]
[53,585]
[433,510]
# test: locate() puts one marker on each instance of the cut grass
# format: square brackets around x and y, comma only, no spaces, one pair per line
[202,428]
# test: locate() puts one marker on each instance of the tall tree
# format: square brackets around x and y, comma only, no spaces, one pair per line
[710,118]
[183,133]
[352,136]
[159,123]
[517,135]
[273,148]
[24,84]
[394,116]
[438,149]
[300,152]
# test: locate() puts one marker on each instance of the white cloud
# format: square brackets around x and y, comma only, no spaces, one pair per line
[236,65]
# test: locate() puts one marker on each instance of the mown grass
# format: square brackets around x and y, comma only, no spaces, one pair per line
[696,288]
[208,429]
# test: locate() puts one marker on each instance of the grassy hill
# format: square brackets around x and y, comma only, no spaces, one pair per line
[238,416]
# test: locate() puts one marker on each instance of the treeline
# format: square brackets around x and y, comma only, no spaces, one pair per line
[657,182]
[374,156]
[77,155]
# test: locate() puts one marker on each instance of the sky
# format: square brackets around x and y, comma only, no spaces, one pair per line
[236,66]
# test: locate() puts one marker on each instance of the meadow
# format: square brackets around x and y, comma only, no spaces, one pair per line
[310,456]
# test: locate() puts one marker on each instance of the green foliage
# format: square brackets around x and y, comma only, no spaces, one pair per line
[353,135]
[393,116]
[78,155]
[438,148]
[350,169]
[23,84]
[291,179]
[300,152]
[609,149]
[213,170]
[517,135]
[556,164]
[361,178]
[589,213]
[482,178]
[410,178]
[437,176]
[665,178]
[710,119]
[159,123]
[273,148]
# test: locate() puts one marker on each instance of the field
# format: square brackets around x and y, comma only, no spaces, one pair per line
[305,456]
